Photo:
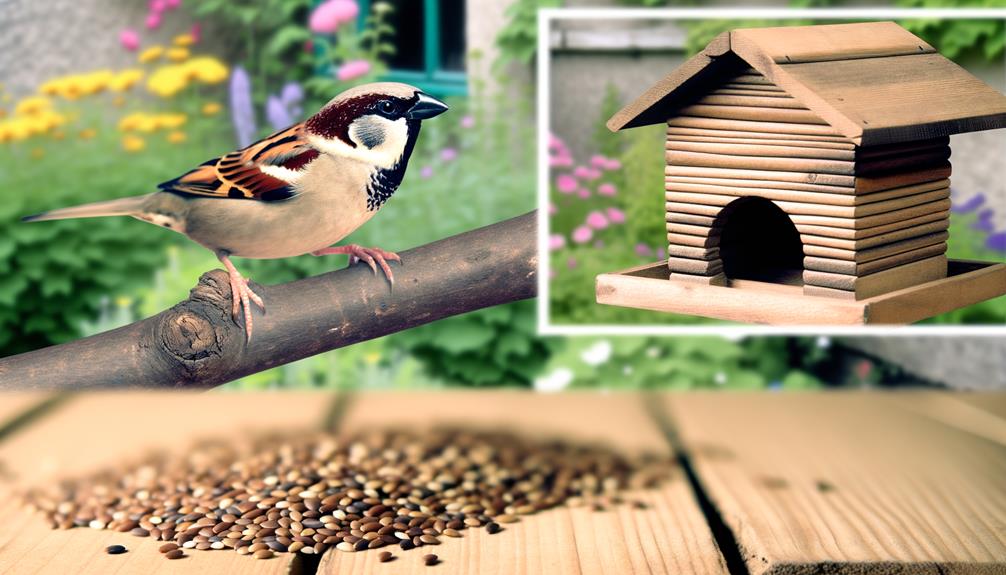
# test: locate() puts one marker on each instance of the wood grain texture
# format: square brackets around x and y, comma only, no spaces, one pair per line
[649,287]
[873,221]
[831,42]
[867,286]
[880,239]
[752,126]
[760,175]
[856,235]
[671,536]
[753,113]
[197,343]
[728,133]
[741,149]
[861,269]
[879,252]
[843,483]
[92,432]
[959,410]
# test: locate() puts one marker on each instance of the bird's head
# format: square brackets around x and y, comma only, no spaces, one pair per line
[374,123]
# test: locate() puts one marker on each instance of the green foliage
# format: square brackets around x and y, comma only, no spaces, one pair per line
[495,346]
[273,34]
[517,40]
[56,276]
[606,142]
[682,363]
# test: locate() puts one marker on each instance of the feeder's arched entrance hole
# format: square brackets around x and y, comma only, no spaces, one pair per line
[759,242]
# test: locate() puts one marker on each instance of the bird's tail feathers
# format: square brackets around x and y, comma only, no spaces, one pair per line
[119,207]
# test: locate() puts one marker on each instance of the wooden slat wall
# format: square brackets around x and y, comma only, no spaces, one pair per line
[860,210]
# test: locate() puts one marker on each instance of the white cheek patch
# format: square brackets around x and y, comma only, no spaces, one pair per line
[387,137]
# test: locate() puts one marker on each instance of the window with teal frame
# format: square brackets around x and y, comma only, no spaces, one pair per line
[429,44]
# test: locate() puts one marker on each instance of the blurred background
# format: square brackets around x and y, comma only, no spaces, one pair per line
[107,98]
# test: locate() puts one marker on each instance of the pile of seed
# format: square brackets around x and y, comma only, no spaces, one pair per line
[308,493]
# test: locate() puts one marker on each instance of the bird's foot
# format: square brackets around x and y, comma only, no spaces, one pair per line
[373,257]
[242,297]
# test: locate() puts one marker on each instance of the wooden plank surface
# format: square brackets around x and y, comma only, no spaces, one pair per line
[670,536]
[958,410]
[99,430]
[829,42]
[846,484]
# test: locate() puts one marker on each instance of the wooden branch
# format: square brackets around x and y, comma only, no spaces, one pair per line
[197,344]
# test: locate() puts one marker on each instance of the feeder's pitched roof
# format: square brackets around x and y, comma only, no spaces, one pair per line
[873,82]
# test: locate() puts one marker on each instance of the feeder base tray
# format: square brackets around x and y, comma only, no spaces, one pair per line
[648,287]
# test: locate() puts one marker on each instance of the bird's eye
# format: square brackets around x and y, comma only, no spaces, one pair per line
[386,106]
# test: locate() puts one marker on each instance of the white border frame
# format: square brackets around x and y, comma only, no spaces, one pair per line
[545,18]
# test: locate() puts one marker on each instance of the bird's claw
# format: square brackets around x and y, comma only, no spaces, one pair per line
[242,297]
[373,257]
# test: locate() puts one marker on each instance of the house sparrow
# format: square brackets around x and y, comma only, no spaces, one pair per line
[295,192]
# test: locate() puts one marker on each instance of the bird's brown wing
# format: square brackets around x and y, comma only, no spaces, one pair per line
[239,174]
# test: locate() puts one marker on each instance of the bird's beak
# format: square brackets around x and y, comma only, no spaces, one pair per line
[426,107]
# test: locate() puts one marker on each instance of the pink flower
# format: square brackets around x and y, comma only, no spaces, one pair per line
[582,234]
[560,161]
[196,32]
[448,154]
[352,69]
[552,210]
[864,368]
[172,4]
[613,165]
[566,183]
[129,39]
[467,122]
[643,250]
[597,220]
[426,172]
[599,161]
[554,143]
[585,173]
[571,263]
[556,242]
[607,189]
[156,6]
[153,21]
[327,17]
[583,193]
[616,216]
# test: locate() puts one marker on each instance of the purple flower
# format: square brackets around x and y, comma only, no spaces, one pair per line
[599,244]
[242,113]
[584,193]
[292,95]
[616,216]
[997,242]
[426,172]
[582,234]
[661,253]
[607,189]
[984,221]
[556,242]
[571,263]
[566,184]
[277,113]
[643,250]
[972,204]
[467,122]
[448,154]
[597,220]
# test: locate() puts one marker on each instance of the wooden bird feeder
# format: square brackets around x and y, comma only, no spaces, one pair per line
[807,179]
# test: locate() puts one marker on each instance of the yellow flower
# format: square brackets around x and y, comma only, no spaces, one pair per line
[132,143]
[184,40]
[94,82]
[3,113]
[37,153]
[372,358]
[59,135]
[87,133]
[178,54]
[211,108]
[32,105]
[207,69]
[167,81]
[150,54]
[171,121]
[176,137]
[119,101]
[123,301]
[125,80]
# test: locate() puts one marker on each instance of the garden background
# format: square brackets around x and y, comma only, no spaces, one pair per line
[102,100]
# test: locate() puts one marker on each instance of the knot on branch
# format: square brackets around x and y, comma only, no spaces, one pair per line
[198,334]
